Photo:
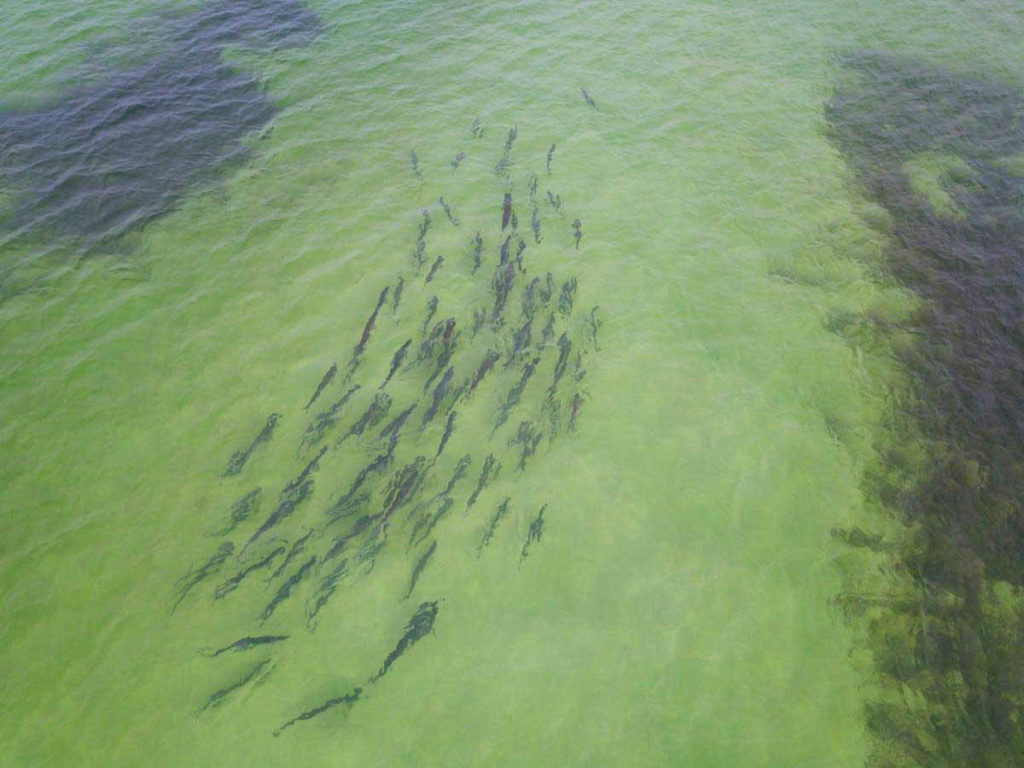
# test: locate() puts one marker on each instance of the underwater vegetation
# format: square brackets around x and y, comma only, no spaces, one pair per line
[940,599]
[105,159]
[382,460]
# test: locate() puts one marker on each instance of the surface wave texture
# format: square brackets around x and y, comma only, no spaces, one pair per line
[612,384]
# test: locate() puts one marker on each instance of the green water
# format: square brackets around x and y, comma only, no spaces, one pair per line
[676,610]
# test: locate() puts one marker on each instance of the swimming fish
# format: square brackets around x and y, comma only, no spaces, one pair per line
[478,246]
[418,627]
[418,568]
[449,427]
[457,160]
[490,470]
[534,534]
[434,268]
[506,210]
[211,566]
[396,361]
[415,165]
[232,583]
[286,589]
[586,97]
[241,510]
[551,155]
[448,212]
[239,458]
[499,515]
[219,696]
[348,699]
[245,643]
[577,232]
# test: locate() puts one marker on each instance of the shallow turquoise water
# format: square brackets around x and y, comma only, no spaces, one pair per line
[677,609]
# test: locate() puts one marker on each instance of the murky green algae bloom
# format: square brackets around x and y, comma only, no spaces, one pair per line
[398,384]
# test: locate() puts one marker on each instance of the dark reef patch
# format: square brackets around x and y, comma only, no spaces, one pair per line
[106,159]
[946,630]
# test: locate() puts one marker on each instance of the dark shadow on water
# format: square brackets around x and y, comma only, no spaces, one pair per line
[947,636]
[106,159]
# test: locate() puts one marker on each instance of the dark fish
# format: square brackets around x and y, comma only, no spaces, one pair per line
[587,99]
[479,318]
[326,419]
[448,212]
[296,492]
[396,297]
[504,251]
[506,210]
[415,165]
[520,247]
[348,699]
[478,130]
[499,515]
[245,643]
[527,438]
[568,296]
[367,330]
[457,160]
[530,298]
[401,489]
[534,534]
[218,698]
[440,391]
[397,423]
[594,324]
[501,169]
[522,341]
[449,427]
[478,246]
[396,361]
[548,290]
[431,311]
[551,155]
[232,584]
[574,413]
[239,458]
[512,399]
[424,225]
[328,377]
[457,474]
[211,566]
[564,350]
[514,221]
[441,336]
[341,542]
[577,231]
[556,201]
[502,282]
[297,548]
[533,189]
[350,500]
[286,589]
[375,412]
[418,627]
[535,224]
[548,331]
[485,366]
[512,133]
[325,590]
[489,471]
[434,268]
[309,469]
[426,523]
[418,569]
[241,510]
[419,252]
